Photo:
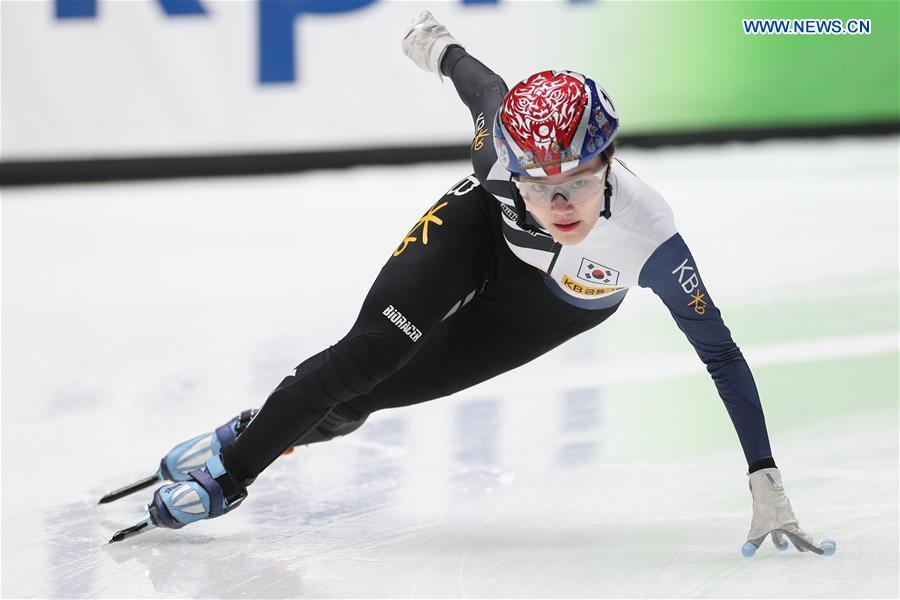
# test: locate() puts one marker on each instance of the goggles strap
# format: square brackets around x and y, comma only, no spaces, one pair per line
[522,212]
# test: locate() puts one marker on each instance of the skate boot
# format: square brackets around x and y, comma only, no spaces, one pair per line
[193,454]
[207,493]
[187,456]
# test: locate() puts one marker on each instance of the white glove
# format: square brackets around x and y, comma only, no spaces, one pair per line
[425,42]
[772,514]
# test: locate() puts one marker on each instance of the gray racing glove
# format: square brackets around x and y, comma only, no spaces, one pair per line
[425,42]
[772,514]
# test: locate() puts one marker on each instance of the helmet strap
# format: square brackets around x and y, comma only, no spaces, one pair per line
[607,189]
[521,211]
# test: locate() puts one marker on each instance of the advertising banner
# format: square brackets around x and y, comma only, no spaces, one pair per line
[115,79]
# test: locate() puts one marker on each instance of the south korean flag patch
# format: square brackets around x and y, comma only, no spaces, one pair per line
[593,272]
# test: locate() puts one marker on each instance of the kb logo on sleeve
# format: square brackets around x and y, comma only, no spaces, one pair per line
[690,283]
[480,133]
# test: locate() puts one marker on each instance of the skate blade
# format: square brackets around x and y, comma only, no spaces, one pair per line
[146,525]
[132,488]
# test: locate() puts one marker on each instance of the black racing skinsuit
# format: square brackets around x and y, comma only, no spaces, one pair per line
[451,308]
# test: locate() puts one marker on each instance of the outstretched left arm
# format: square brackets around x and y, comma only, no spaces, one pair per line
[673,276]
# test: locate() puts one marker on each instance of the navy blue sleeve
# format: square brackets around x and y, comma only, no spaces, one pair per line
[673,276]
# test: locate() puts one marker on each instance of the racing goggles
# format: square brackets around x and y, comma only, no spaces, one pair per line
[574,191]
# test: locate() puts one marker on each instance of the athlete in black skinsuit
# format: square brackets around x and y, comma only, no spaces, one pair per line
[461,301]
[454,257]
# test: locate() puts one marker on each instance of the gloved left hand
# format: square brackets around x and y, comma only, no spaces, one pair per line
[773,515]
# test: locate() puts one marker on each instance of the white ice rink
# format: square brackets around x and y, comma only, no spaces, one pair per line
[137,315]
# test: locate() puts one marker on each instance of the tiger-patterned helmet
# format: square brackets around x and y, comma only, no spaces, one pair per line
[553,122]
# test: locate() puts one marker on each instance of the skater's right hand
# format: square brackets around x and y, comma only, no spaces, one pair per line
[773,515]
[425,42]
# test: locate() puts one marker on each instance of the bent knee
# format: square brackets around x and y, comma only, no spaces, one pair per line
[340,421]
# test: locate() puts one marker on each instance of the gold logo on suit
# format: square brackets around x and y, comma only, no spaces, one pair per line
[427,219]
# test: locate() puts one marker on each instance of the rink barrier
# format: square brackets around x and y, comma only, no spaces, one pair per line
[43,172]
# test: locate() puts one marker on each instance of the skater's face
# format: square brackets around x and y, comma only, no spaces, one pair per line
[567,205]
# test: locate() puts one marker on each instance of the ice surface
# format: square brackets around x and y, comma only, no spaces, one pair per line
[137,315]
